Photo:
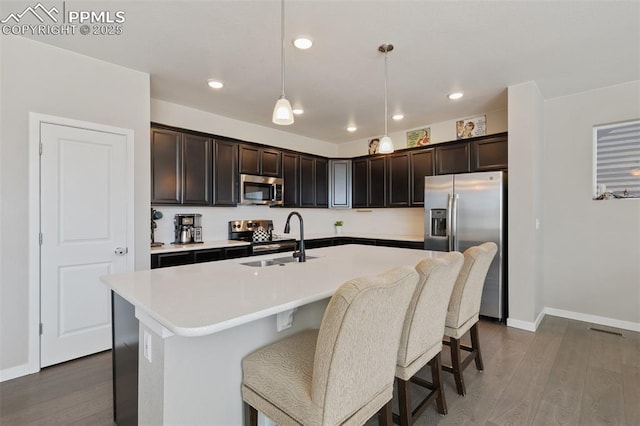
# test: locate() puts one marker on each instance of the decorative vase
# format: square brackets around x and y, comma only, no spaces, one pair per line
[338,230]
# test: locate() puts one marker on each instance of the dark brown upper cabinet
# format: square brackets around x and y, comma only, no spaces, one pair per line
[197,187]
[489,154]
[166,167]
[399,166]
[378,182]
[314,177]
[422,164]
[291,177]
[452,159]
[370,182]
[360,189]
[225,173]
[180,168]
[260,161]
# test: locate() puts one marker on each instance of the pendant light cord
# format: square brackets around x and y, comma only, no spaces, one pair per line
[282,43]
[385,94]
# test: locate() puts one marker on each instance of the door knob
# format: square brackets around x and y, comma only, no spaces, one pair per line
[121,251]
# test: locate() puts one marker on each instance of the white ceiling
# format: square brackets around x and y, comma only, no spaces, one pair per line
[478,47]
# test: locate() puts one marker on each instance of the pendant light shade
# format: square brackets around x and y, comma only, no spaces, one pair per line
[282,113]
[386,144]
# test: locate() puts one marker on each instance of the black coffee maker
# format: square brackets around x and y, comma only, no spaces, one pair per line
[187,228]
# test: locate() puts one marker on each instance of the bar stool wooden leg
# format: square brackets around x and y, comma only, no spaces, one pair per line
[384,415]
[404,401]
[475,344]
[457,366]
[436,378]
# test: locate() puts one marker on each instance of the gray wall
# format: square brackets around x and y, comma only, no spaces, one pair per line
[592,248]
[524,205]
[40,78]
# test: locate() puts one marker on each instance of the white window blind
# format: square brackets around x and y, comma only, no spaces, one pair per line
[617,158]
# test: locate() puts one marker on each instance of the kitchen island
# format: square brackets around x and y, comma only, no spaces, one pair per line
[198,321]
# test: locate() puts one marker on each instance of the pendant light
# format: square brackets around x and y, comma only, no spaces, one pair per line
[386,144]
[282,113]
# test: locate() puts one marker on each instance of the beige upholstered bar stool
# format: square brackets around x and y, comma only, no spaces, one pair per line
[343,373]
[464,310]
[422,333]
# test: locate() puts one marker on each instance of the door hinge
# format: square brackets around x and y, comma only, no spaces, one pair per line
[40,148]
[41,238]
[41,329]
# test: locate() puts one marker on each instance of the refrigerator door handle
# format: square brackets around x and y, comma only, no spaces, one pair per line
[454,223]
[449,226]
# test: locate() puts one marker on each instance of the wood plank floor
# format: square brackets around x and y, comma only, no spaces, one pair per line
[565,374]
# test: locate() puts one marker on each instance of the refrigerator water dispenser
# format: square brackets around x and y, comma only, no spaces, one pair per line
[438,222]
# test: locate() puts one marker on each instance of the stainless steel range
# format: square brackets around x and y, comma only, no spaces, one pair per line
[259,233]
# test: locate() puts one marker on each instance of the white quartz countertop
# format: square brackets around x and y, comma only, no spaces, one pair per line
[393,237]
[169,248]
[205,298]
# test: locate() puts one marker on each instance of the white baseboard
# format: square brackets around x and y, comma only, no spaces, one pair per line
[17,371]
[525,325]
[594,319]
[610,322]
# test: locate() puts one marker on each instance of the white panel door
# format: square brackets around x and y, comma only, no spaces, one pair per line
[84,235]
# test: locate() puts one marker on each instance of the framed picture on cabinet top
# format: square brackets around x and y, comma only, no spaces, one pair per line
[471,127]
[419,137]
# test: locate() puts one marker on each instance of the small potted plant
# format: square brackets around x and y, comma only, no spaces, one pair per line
[338,225]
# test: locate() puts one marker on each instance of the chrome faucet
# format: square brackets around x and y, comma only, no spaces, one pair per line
[300,253]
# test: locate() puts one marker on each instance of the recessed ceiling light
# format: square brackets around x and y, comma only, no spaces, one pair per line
[215,84]
[298,111]
[397,117]
[302,43]
[352,129]
[457,95]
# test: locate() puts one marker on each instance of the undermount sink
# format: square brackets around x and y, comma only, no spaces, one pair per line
[281,261]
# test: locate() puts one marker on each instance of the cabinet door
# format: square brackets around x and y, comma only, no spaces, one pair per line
[377,182]
[452,159]
[290,175]
[171,259]
[209,255]
[270,162]
[340,184]
[197,170]
[249,160]
[489,154]
[422,164]
[166,167]
[360,183]
[225,173]
[322,182]
[398,180]
[307,181]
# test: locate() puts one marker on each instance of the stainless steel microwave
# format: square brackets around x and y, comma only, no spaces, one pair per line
[261,190]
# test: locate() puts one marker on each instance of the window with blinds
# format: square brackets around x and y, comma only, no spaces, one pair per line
[617,160]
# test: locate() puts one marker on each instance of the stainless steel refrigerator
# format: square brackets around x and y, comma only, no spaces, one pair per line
[465,210]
